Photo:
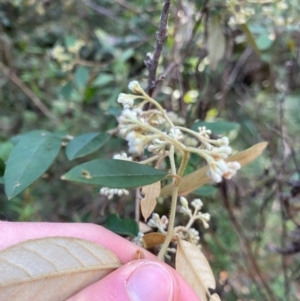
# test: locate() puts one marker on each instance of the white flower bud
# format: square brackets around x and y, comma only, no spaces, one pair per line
[197,204]
[184,202]
[176,134]
[126,100]
[135,87]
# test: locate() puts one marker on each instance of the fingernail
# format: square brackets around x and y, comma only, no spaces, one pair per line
[150,281]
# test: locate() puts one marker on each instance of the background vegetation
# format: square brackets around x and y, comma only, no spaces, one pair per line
[234,63]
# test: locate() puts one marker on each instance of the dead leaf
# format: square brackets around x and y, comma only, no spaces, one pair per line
[192,265]
[143,228]
[148,203]
[199,178]
[52,268]
[153,239]
[215,297]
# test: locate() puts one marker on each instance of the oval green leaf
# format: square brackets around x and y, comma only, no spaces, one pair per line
[126,226]
[114,173]
[81,77]
[29,159]
[217,127]
[85,144]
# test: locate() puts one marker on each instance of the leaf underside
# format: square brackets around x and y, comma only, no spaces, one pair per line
[194,268]
[149,202]
[199,178]
[53,268]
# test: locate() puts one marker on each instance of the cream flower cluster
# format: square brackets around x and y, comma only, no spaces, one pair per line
[158,222]
[155,131]
[196,214]
[110,192]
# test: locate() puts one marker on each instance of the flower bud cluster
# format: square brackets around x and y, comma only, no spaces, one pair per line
[157,147]
[141,130]
[219,168]
[194,236]
[138,240]
[158,222]
[218,151]
[110,192]
[176,134]
[196,214]
[122,156]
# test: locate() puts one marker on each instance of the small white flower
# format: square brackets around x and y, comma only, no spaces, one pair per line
[194,236]
[176,134]
[136,142]
[219,168]
[221,152]
[224,141]
[126,100]
[184,202]
[232,169]
[205,218]
[197,204]
[122,156]
[135,87]
[157,146]
[204,132]
[127,116]
[216,169]
[160,223]
[184,208]
[110,192]
[138,240]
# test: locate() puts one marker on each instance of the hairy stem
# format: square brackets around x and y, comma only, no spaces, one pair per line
[176,183]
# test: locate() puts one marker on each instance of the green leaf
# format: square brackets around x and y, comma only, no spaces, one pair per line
[85,144]
[206,190]
[217,127]
[264,42]
[114,173]
[66,90]
[29,159]
[126,55]
[81,77]
[126,226]
[5,149]
[103,79]
[16,139]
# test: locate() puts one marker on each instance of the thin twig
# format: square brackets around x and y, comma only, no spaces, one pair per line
[38,103]
[151,60]
[109,14]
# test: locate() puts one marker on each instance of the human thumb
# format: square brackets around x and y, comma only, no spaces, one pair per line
[139,280]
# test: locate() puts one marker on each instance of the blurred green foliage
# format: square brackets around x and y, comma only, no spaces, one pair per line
[63,64]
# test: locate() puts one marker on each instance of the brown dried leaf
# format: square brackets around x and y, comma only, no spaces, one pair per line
[153,239]
[199,178]
[148,203]
[53,268]
[215,297]
[194,268]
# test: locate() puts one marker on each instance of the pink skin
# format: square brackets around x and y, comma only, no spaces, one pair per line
[137,280]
